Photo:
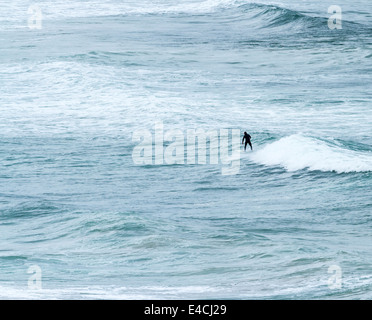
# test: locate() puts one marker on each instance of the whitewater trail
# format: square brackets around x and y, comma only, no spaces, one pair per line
[298,152]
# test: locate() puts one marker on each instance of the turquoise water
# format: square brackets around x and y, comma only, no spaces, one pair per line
[99,226]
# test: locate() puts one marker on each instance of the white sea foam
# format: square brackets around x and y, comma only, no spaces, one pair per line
[297,152]
[105,292]
[16,11]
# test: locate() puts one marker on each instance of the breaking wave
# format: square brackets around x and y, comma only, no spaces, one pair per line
[297,152]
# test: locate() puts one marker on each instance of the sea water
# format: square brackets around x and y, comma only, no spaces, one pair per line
[80,218]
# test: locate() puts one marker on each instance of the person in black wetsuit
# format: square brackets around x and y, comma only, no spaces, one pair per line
[247,139]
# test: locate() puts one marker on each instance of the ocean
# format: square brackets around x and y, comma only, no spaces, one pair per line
[95,203]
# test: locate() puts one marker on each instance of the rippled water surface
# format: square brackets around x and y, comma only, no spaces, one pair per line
[74,203]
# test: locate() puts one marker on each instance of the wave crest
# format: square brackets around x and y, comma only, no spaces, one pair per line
[297,152]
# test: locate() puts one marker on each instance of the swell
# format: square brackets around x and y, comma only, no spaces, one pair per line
[270,16]
[261,15]
[264,16]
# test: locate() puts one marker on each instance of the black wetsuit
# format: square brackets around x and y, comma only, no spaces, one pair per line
[247,139]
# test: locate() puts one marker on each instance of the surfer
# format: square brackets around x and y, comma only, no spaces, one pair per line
[247,139]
